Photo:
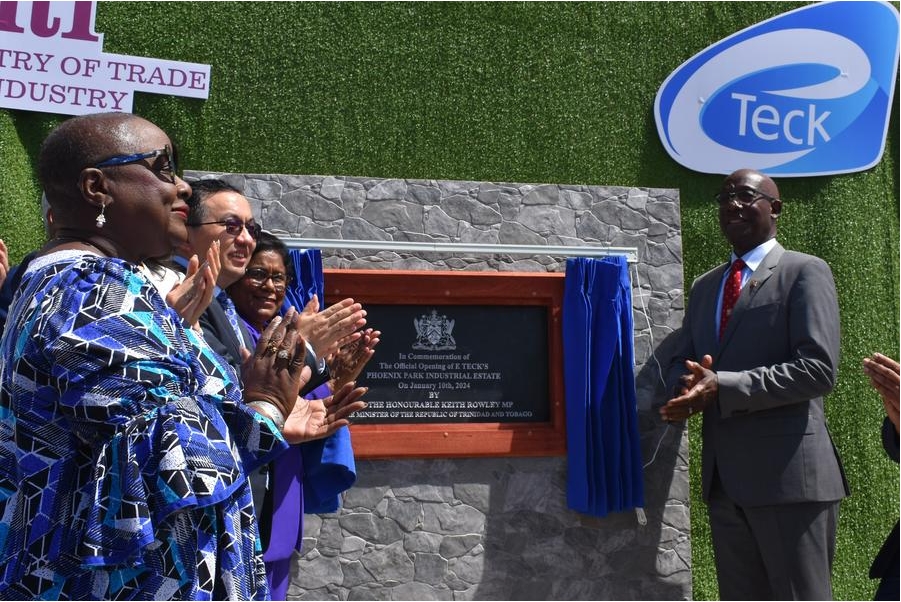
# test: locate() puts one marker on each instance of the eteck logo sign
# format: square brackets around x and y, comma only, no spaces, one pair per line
[806,93]
[51,60]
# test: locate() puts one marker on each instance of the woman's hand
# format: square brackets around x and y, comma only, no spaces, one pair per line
[336,324]
[885,377]
[193,295]
[347,363]
[275,372]
[319,418]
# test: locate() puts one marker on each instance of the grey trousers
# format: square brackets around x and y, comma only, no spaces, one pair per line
[781,552]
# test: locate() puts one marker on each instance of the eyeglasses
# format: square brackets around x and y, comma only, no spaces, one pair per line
[745,196]
[258,276]
[168,169]
[234,226]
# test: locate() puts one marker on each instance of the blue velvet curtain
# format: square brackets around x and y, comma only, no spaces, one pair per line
[308,279]
[604,472]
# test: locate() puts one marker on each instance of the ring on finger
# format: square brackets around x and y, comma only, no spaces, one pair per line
[282,354]
[271,348]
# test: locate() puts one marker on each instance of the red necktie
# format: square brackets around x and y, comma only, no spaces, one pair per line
[730,293]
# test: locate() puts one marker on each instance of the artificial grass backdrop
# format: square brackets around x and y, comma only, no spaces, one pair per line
[516,92]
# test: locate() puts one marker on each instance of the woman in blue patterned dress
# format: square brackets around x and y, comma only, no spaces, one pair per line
[124,440]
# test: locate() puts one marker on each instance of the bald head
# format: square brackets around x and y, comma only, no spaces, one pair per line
[749,206]
[756,179]
[136,191]
[80,142]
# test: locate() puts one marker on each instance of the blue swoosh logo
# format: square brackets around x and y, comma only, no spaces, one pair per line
[783,95]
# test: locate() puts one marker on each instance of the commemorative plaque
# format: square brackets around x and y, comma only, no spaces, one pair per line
[457,363]
[468,363]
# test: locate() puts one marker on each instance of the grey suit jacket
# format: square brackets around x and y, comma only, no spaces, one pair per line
[767,436]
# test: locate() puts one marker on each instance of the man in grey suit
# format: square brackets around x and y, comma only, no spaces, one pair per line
[758,372]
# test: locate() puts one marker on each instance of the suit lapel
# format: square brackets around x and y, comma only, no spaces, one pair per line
[706,299]
[752,288]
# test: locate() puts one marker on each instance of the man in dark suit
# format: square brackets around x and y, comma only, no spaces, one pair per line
[220,213]
[758,350]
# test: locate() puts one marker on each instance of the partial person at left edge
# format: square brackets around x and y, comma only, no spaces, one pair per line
[13,274]
[125,442]
[885,377]
[4,262]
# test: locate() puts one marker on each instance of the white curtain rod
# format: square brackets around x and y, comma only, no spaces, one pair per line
[631,253]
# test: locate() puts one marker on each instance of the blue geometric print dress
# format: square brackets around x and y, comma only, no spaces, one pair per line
[124,446]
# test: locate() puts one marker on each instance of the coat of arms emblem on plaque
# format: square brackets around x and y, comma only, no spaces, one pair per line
[434,332]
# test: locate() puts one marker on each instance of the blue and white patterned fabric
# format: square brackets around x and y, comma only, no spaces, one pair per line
[124,446]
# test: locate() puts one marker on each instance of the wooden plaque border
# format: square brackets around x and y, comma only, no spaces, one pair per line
[413,287]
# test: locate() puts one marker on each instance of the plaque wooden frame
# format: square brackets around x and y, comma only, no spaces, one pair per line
[412,287]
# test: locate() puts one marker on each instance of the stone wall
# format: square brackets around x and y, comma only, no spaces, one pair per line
[496,528]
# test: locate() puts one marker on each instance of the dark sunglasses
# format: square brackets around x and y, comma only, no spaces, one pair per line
[234,226]
[745,196]
[258,276]
[168,169]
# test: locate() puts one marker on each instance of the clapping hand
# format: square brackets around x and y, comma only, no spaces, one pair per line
[276,370]
[193,295]
[885,376]
[319,418]
[698,389]
[346,364]
[327,329]
[4,262]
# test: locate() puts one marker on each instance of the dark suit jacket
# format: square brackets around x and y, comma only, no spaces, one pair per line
[766,436]
[220,336]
